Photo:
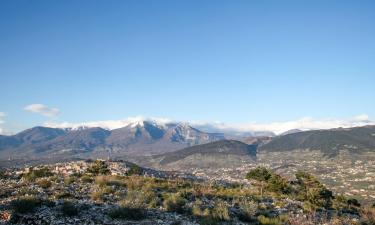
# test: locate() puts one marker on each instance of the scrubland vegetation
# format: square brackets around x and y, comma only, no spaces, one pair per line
[271,199]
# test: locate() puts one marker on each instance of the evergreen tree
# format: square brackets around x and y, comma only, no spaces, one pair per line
[99,167]
[312,191]
[278,184]
[261,175]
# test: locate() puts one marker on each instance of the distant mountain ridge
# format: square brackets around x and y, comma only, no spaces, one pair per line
[140,138]
[218,154]
[223,147]
[356,139]
[292,131]
[145,138]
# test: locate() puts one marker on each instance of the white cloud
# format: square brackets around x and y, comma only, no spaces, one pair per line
[362,117]
[108,124]
[2,114]
[305,123]
[42,110]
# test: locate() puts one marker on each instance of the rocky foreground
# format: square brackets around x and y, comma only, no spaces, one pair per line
[100,192]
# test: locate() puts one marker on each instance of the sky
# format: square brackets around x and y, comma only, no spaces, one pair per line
[244,65]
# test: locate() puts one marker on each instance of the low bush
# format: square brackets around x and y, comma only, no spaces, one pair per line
[44,183]
[70,180]
[140,199]
[107,180]
[69,209]
[174,202]
[3,175]
[198,211]
[62,195]
[248,210]
[108,190]
[33,174]
[220,211]
[97,195]
[368,216]
[353,202]
[217,214]
[127,213]
[135,170]
[280,220]
[26,191]
[25,205]
[86,179]
[99,167]
[5,193]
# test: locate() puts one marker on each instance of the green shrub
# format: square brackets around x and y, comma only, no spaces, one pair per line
[53,178]
[312,192]
[62,195]
[127,213]
[174,202]
[196,209]
[86,179]
[70,180]
[220,211]
[261,175]
[3,175]
[99,167]
[178,222]
[247,212]
[217,214]
[353,202]
[279,185]
[199,211]
[25,205]
[108,190]
[135,170]
[33,174]
[280,220]
[208,221]
[25,191]
[108,180]
[5,193]
[97,195]
[140,199]
[69,209]
[101,181]
[44,183]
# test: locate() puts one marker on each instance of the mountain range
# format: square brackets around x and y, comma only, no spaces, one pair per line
[146,138]
[139,138]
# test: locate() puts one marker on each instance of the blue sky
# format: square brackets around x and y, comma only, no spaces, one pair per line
[230,61]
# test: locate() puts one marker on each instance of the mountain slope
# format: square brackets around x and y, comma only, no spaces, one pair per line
[86,140]
[147,138]
[218,154]
[140,138]
[355,139]
[7,142]
[39,134]
[29,137]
